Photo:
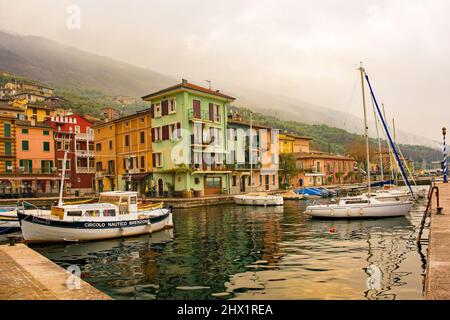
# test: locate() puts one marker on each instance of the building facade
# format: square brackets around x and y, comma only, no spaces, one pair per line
[188,140]
[35,158]
[259,173]
[292,143]
[74,134]
[123,153]
[318,168]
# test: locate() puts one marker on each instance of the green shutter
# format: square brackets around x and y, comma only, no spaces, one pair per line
[25,146]
[25,131]
[7,130]
[8,148]
[8,163]
[46,146]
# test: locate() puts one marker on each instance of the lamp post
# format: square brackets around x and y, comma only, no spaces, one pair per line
[444,161]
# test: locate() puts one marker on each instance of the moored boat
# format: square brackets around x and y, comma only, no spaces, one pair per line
[258,199]
[115,215]
[9,222]
[360,207]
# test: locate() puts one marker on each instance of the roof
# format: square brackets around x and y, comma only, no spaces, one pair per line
[295,136]
[25,123]
[138,113]
[245,123]
[322,155]
[186,85]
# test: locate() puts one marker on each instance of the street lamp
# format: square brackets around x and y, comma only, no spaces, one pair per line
[444,161]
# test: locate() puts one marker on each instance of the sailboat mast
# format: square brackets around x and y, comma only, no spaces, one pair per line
[251,153]
[395,143]
[379,140]
[389,148]
[61,185]
[366,133]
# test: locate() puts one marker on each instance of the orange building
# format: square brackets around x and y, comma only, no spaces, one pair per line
[35,154]
[319,168]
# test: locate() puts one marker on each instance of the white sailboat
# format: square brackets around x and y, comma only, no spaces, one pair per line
[256,198]
[366,206]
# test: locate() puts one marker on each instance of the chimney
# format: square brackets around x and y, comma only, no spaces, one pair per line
[184,81]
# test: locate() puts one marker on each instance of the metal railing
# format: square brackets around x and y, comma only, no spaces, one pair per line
[427,213]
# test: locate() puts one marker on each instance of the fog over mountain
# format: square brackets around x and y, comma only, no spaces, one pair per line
[61,65]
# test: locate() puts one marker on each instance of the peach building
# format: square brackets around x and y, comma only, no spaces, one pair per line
[35,154]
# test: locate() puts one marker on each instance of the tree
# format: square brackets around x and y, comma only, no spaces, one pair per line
[287,168]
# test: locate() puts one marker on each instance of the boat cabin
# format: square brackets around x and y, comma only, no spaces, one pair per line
[127,201]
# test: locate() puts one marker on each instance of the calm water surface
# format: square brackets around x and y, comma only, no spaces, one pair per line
[224,252]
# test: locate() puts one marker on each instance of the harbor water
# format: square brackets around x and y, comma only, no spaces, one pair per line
[235,252]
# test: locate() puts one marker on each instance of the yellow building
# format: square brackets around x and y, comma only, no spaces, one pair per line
[39,111]
[291,143]
[123,153]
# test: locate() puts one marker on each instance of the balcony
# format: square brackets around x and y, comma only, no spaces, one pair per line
[36,171]
[84,136]
[203,115]
[85,153]
[85,170]
[243,166]
[206,167]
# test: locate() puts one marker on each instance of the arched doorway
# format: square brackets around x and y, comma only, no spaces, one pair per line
[160,187]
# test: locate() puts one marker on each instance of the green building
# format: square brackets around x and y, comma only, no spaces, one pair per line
[189,143]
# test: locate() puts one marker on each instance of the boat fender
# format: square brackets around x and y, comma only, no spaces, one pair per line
[149,226]
[122,231]
[361,211]
[332,212]
[349,212]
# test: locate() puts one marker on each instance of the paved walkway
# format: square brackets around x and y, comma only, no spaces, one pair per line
[27,275]
[437,283]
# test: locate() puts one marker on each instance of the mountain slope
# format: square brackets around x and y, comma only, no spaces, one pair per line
[67,67]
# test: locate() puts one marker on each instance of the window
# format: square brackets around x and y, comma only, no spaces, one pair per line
[173,132]
[109,213]
[92,213]
[157,110]
[98,166]
[77,129]
[7,130]
[74,213]
[158,134]
[127,140]
[26,165]
[234,181]
[110,144]
[8,166]
[217,116]
[133,200]
[46,146]
[46,132]
[142,162]
[158,160]
[25,145]
[98,147]
[173,105]
[142,136]
[24,131]
[8,148]
[213,182]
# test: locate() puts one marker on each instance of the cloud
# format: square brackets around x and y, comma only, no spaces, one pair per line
[309,50]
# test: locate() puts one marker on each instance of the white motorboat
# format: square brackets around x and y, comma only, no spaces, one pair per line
[115,215]
[360,207]
[9,222]
[258,199]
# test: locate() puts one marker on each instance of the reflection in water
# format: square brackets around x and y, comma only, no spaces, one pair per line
[224,252]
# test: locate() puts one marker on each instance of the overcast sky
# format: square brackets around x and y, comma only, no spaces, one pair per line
[306,49]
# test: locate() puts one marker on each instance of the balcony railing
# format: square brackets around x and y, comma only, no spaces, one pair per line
[85,153]
[25,171]
[243,166]
[84,136]
[85,170]
[206,167]
[204,116]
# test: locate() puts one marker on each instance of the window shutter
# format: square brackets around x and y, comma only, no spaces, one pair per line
[211,112]
[153,160]
[152,110]
[153,134]
[165,107]
[165,132]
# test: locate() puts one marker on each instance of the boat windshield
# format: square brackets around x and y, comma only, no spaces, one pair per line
[356,201]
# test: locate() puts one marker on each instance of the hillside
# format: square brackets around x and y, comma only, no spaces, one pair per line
[63,66]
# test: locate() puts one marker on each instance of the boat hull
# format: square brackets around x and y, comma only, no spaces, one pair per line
[381,210]
[9,222]
[258,201]
[41,229]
